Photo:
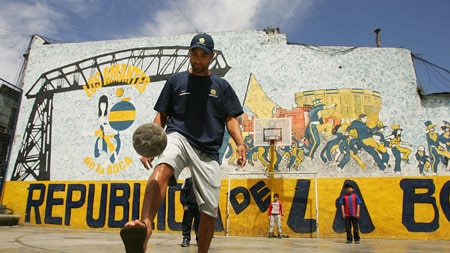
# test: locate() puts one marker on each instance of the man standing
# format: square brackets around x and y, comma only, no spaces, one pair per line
[194,106]
[190,207]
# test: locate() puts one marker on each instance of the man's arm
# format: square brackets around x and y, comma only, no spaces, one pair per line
[160,119]
[235,131]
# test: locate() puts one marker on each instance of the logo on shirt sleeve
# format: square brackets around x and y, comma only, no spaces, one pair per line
[213,93]
[184,93]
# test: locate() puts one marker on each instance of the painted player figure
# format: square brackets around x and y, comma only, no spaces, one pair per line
[422,160]
[316,125]
[275,213]
[338,137]
[433,146]
[398,148]
[194,106]
[444,145]
[365,136]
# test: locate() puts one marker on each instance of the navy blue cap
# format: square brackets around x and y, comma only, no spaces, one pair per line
[348,185]
[203,41]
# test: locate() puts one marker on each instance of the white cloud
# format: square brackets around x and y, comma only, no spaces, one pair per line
[207,15]
[83,8]
[18,21]
[65,20]
[288,15]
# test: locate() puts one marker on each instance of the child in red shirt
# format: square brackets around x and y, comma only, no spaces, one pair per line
[275,214]
[351,206]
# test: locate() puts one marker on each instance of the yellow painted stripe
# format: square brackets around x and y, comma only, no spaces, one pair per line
[122,115]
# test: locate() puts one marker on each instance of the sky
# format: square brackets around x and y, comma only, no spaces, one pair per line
[421,26]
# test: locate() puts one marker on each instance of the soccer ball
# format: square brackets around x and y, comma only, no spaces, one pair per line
[149,140]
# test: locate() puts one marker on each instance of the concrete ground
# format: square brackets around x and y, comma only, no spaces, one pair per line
[31,239]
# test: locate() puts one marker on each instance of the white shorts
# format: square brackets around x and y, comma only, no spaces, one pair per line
[205,171]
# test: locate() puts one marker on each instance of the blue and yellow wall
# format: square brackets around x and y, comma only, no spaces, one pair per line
[72,163]
[392,207]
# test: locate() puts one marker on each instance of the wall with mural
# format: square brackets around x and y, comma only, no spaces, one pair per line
[355,115]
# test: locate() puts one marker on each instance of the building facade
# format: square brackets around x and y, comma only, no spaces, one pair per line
[355,116]
[9,104]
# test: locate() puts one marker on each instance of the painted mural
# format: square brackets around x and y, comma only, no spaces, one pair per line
[355,117]
[341,128]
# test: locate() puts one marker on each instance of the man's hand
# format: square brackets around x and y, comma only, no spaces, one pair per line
[242,160]
[234,129]
[147,162]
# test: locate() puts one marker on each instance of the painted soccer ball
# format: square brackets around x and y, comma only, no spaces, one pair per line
[149,140]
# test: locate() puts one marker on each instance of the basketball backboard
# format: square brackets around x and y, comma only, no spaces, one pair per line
[272,129]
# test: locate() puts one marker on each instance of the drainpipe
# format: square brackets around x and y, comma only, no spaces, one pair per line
[378,40]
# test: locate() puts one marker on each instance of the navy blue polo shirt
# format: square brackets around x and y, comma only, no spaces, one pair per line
[197,107]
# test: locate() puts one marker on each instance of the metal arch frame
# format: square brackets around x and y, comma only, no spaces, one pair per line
[66,78]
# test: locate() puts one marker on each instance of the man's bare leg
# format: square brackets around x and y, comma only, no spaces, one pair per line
[205,232]
[155,191]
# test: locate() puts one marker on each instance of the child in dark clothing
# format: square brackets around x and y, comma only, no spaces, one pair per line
[191,212]
[351,206]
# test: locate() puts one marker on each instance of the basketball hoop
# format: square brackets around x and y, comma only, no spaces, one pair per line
[272,134]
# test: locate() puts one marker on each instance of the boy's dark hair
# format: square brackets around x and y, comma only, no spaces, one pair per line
[275,195]
[347,185]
